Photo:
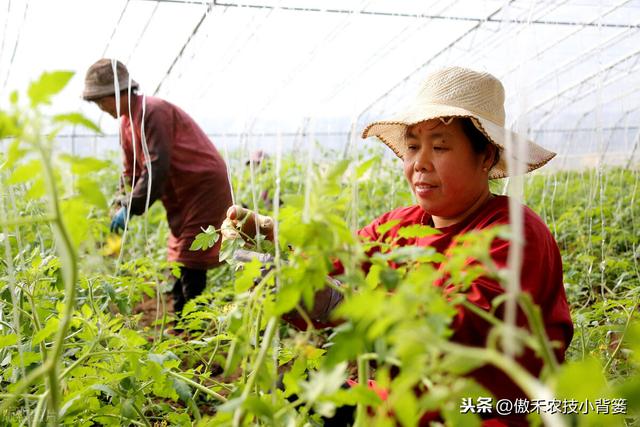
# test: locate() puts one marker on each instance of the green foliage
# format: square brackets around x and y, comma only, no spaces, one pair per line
[237,362]
[49,84]
[76,119]
[205,240]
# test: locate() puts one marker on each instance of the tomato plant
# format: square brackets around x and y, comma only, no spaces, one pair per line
[76,348]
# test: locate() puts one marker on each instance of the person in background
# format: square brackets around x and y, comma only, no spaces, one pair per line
[166,156]
[452,142]
[256,157]
[258,165]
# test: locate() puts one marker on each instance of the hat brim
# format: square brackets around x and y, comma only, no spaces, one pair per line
[102,91]
[392,133]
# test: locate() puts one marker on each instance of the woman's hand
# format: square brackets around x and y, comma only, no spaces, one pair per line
[245,223]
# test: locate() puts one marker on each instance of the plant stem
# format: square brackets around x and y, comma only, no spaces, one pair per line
[28,220]
[621,338]
[39,411]
[69,273]
[198,386]
[532,387]
[266,343]
[141,415]
[22,385]
[363,377]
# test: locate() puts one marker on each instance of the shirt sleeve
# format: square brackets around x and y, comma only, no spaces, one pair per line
[541,277]
[157,128]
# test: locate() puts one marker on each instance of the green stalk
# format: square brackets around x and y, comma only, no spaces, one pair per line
[120,417]
[141,415]
[69,274]
[363,376]
[197,386]
[621,339]
[23,395]
[537,328]
[39,411]
[264,348]
[22,385]
[36,320]
[289,406]
[27,220]
[532,387]
[15,300]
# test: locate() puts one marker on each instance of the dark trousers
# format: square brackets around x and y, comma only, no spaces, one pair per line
[190,284]
[344,416]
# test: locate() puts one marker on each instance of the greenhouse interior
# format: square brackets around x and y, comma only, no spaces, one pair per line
[308,213]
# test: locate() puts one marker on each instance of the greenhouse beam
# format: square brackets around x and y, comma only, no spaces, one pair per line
[571,34]
[407,15]
[421,66]
[115,29]
[15,46]
[558,94]
[184,46]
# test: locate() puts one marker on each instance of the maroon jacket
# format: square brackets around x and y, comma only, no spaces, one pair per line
[188,175]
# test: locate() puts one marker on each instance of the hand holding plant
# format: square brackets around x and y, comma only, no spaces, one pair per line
[242,222]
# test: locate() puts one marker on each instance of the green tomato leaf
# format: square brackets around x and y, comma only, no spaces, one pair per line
[91,193]
[75,212]
[383,228]
[365,166]
[104,388]
[14,153]
[76,119]
[258,407]
[460,364]
[133,338]
[29,358]
[246,279]
[183,390]
[84,165]
[7,340]
[205,240]
[48,85]
[7,126]
[26,172]
[127,409]
[228,248]
[417,231]
[49,329]
[324,382]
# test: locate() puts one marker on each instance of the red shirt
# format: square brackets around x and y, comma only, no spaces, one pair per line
[541,277]
[188,175]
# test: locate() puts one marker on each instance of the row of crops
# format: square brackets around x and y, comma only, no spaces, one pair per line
[83,312]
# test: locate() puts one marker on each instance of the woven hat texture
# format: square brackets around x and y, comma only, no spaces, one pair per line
[99,79]
[460,92]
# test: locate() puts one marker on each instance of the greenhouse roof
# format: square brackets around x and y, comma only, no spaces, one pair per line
[571,69]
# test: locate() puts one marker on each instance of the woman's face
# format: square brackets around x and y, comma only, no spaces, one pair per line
[448,178]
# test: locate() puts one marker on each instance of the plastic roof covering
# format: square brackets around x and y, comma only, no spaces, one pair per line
[571,68]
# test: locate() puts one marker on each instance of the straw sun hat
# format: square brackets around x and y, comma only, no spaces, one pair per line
[99,80]
[460,92]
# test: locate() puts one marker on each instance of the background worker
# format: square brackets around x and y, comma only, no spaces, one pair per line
[168,157]
[258,165]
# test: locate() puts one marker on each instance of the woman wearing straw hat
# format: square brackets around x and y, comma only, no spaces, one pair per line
[452,141]
[168,157]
